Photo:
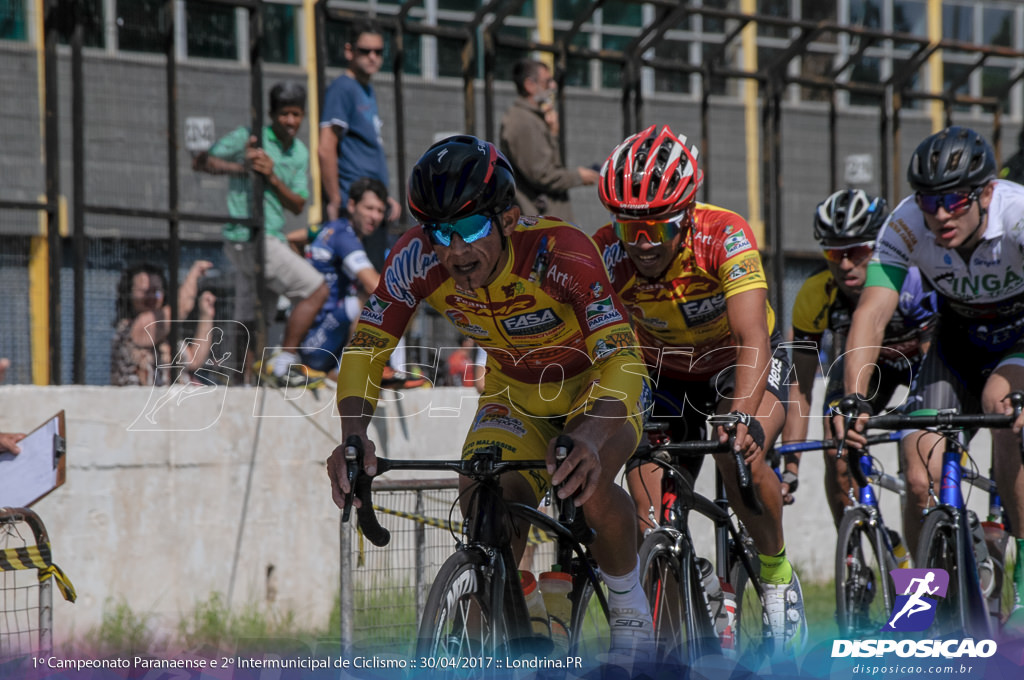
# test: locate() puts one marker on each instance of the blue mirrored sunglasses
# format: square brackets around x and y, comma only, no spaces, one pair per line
[955,203]
[472,228]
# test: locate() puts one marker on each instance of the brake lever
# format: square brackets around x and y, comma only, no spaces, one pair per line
[353,465]
[568,513]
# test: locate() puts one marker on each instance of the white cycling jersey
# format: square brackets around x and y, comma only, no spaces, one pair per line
[991,283]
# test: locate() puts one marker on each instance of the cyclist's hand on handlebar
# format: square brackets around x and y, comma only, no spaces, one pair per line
[337,470]
[856,409]
[579,472]
[749,437]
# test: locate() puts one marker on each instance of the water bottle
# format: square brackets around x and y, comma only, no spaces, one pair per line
[556,586]
[535,604]
[721,604]
[725,622]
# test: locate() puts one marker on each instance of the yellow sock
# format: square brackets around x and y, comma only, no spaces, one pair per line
[776,569]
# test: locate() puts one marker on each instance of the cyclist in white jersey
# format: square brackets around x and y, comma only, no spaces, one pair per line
[964,230]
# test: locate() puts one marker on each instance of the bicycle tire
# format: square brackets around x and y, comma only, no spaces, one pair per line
[937,549]
[682,625]
[864,590]
[589,633]
[462,618]
[750,629]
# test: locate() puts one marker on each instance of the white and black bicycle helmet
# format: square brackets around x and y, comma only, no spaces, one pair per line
[954,158]
[849,214]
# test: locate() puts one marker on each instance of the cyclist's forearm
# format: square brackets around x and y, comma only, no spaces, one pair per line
[356,414]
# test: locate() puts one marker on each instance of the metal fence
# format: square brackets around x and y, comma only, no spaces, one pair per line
[97,174]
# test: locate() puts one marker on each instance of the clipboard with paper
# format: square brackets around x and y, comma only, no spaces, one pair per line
[38,469]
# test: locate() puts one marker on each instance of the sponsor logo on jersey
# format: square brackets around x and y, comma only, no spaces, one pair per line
[748,266]
[406,265]
[368,338]
[602,313]
[464,324]
[531,323]
[495,309]
[699,312]
[559,277]
[596,289]
[985,285]
[637,312]
[499,416]
[612,255]
[891,248]
[373,310]
[319,253]
[904,232]
[736,243]
[512,289]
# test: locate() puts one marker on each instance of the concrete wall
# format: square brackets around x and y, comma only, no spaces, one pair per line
[151,512]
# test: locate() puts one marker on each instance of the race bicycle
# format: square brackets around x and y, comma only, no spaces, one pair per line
[865,545]
[476,616]
[690,622]
[979,596]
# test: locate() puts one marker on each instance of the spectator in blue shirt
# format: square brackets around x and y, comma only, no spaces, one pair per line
[351,145]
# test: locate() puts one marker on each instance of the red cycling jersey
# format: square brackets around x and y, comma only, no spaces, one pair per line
[550,315]
[680,316]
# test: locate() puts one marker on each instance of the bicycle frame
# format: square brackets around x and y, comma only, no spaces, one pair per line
[486,533]
[973,610]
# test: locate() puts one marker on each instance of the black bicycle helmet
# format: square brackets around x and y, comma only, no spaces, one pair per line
[460,176]
[954,158]
[849,214]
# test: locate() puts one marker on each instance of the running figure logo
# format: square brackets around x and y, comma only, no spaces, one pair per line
[914,610]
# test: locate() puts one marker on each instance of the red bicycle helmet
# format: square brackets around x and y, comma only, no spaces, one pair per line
[651,174]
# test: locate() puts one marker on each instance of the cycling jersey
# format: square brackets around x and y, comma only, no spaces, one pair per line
[820,305]
[990,285]
[680,316]
[550,315]
[337,253]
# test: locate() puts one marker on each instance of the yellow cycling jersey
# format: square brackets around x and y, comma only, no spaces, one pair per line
[680,317]
[550,315]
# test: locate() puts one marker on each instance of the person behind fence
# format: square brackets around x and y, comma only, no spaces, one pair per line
[337,252]
[283,160]
[534,293]
[140,353]
[529,139]
[351,145]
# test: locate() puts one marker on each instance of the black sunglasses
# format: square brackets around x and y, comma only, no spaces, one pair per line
[365,51]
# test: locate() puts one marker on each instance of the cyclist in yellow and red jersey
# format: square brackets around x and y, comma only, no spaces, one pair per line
[561,354]
[692,278]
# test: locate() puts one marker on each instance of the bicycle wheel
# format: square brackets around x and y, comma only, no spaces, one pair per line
[589,634]
[682,623]
[461,618]
[864,591]
[937,549]
[751,629]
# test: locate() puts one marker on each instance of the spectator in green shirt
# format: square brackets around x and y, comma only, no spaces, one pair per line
[282,159]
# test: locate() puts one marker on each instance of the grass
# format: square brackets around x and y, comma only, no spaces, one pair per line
[385,620]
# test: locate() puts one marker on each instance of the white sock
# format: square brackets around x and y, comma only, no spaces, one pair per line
[624,592]
[283,360]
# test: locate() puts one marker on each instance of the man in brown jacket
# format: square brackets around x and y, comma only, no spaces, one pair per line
[530,143]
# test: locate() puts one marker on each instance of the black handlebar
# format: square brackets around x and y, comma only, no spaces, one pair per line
[484,463]
[360,485]
[728,421]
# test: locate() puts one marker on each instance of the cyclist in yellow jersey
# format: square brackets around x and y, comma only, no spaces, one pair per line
[692,278]
[561,355]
